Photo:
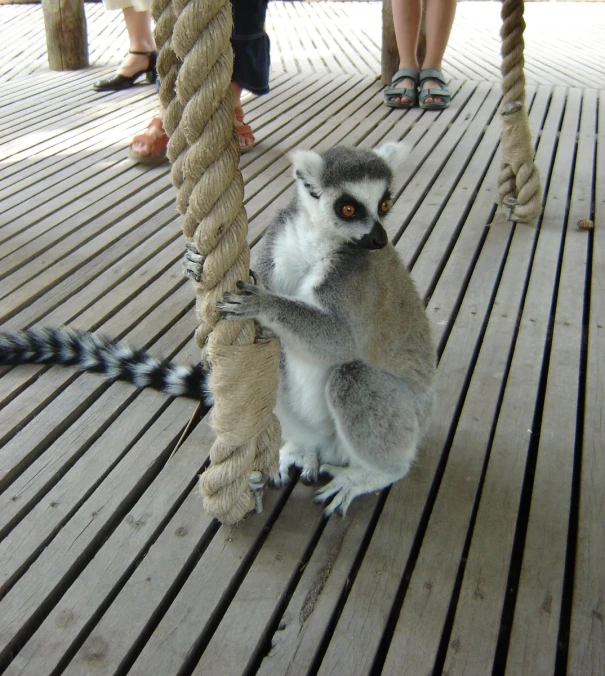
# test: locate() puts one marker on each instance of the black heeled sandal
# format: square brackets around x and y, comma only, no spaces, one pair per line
[117,81]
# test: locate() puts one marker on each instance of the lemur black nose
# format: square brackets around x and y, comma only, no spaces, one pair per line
[377,238]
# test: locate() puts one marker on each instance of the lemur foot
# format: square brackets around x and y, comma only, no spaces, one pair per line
[347,484]
[306,460]
[193,262]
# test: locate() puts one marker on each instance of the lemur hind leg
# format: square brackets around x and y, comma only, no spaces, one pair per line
[376,416]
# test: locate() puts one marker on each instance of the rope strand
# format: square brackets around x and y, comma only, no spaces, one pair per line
[519,181]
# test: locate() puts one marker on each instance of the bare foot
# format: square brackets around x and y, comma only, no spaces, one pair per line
[151,143]
[432,84]
[244,134]
[406,83]
[244,131]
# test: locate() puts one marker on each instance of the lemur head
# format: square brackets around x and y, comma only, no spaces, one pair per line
[348,190]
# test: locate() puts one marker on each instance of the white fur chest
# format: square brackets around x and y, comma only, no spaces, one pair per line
[302,258]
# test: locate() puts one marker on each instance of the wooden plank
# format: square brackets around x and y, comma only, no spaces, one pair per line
[15,171]
[67,625]
[37,295]
[30,403]
[305,622]
[144,483]
[476,626]
[217,576]
[348,36]
[26,440]
[92,304]
[297,648]
[587,633]
[250,612]
[473,231]
[48,142]
[116,560]
[535,631]
[373,595]
[48,113]
[428,595]
[310,56]
[48,225]
[473,184]
[46,184]
[439,172]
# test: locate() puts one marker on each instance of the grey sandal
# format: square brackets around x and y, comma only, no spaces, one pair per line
[411,93]
[423,94]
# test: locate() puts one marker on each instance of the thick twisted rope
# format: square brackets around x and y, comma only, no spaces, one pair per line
[195,66]
[519,181]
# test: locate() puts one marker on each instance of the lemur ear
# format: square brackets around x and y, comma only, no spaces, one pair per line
[393,154]
[307,166]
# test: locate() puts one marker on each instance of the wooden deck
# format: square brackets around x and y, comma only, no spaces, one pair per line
[488,558]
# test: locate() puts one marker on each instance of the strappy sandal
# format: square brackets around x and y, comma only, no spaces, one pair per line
[244,131]
[410,93]
[155,143]
[117,81]
[423,94]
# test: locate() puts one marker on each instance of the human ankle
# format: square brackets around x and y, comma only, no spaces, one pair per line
[142,47]
[431,66]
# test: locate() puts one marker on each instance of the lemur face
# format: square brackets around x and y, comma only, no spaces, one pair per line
[347,191]
[357,211]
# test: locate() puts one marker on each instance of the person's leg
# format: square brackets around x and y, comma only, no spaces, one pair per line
[140,37]
[251,62]
[439,21]
[151,143]
[406,21]
[251,46]
[137,17]
[250,71]
[245,135]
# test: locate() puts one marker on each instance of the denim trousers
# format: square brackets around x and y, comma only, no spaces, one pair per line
[250,45]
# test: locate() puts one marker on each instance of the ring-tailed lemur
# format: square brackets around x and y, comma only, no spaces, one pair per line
[358,362]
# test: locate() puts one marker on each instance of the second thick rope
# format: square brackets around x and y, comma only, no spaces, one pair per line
[519,181]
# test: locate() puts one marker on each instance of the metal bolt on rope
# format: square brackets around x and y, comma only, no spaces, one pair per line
[256,484]
[509,203]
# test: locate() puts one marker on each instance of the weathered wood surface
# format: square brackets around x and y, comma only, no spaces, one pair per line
[346,37]
[488,557]
[66,36]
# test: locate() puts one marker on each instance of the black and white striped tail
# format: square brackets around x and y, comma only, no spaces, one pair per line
[115,360]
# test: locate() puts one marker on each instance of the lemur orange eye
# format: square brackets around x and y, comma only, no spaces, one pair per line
[385,206]
[347,210]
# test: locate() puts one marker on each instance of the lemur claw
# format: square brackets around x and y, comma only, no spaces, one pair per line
[248,289]
[193,262]
[244,305]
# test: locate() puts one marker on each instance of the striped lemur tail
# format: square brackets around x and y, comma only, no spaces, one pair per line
[90,352]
